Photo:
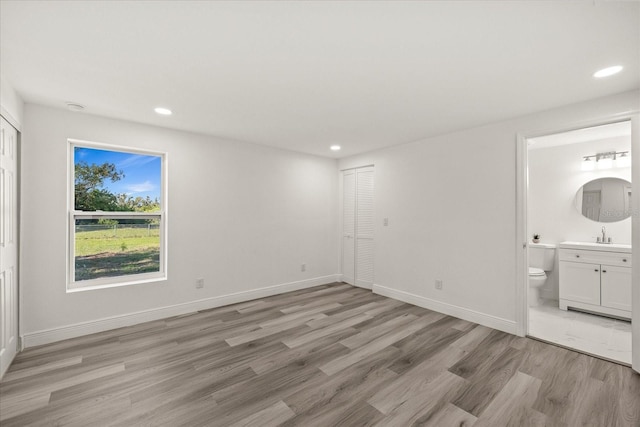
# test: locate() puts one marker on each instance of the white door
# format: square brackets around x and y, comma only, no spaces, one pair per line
[591,204]
[357,227]
[364,227]
[348,227]
[8,245]
[635,283]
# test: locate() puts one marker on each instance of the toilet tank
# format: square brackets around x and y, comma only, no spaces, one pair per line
[542,255]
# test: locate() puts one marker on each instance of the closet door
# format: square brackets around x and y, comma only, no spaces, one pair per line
[364,227]
[348,226]
[357,227]
[8,245]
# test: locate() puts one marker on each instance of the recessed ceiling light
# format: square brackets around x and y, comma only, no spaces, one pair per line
[73,106]
[163,111]
[606,72]
[335,147]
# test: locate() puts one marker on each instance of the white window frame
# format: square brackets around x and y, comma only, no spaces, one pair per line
[124,280]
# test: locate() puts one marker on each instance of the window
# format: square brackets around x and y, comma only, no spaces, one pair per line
[117,214]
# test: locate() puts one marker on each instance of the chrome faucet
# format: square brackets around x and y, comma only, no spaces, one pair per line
[604,237]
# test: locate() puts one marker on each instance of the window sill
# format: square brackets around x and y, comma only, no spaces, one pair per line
[80,286]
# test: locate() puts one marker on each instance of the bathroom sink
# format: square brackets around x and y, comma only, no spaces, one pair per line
[590,246]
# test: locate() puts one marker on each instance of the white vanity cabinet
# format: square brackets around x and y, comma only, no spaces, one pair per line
[596,278]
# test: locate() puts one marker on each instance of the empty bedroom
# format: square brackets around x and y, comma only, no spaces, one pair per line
[319,213]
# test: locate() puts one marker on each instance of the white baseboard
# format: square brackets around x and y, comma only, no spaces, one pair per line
[79,329]
[494,322]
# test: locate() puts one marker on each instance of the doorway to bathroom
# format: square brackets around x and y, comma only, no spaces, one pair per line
[578,212]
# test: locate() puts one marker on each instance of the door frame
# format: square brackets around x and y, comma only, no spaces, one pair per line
[522,235]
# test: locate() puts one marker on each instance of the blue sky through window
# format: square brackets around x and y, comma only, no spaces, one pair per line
[142,172]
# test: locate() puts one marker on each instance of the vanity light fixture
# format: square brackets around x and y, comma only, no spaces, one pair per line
[623,160]
[607,160]
[588,164]
[604,163]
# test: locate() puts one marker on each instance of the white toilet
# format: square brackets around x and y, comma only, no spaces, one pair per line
[542,257]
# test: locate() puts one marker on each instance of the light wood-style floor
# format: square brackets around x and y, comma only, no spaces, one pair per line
[333,355]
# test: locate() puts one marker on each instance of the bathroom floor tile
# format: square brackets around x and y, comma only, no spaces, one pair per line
[598,335]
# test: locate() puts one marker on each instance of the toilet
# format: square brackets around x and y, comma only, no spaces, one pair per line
[541,260]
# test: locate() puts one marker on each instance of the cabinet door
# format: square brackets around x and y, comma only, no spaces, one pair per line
[616,287]
[580,282]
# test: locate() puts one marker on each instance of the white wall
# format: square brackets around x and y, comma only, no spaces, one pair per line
[11,105]
[241,216]
[451,204]
[555,176]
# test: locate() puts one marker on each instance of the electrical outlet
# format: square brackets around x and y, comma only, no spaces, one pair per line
[438,284]
[385,222]
[303,267]
[199,283]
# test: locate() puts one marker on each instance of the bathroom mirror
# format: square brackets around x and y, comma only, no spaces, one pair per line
[605,200]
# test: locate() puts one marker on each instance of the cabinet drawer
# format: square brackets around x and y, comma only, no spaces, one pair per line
[595,257]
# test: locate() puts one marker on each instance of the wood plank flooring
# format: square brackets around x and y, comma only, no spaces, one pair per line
[333,355]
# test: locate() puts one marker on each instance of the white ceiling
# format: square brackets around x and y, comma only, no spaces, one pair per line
[305,75]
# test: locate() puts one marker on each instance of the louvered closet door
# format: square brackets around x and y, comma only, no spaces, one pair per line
[348,227]
[364,227]
[8,244]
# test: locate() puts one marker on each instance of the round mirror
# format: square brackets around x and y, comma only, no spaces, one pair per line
[605,200]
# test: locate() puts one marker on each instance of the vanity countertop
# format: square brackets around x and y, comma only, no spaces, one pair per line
[589,246]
